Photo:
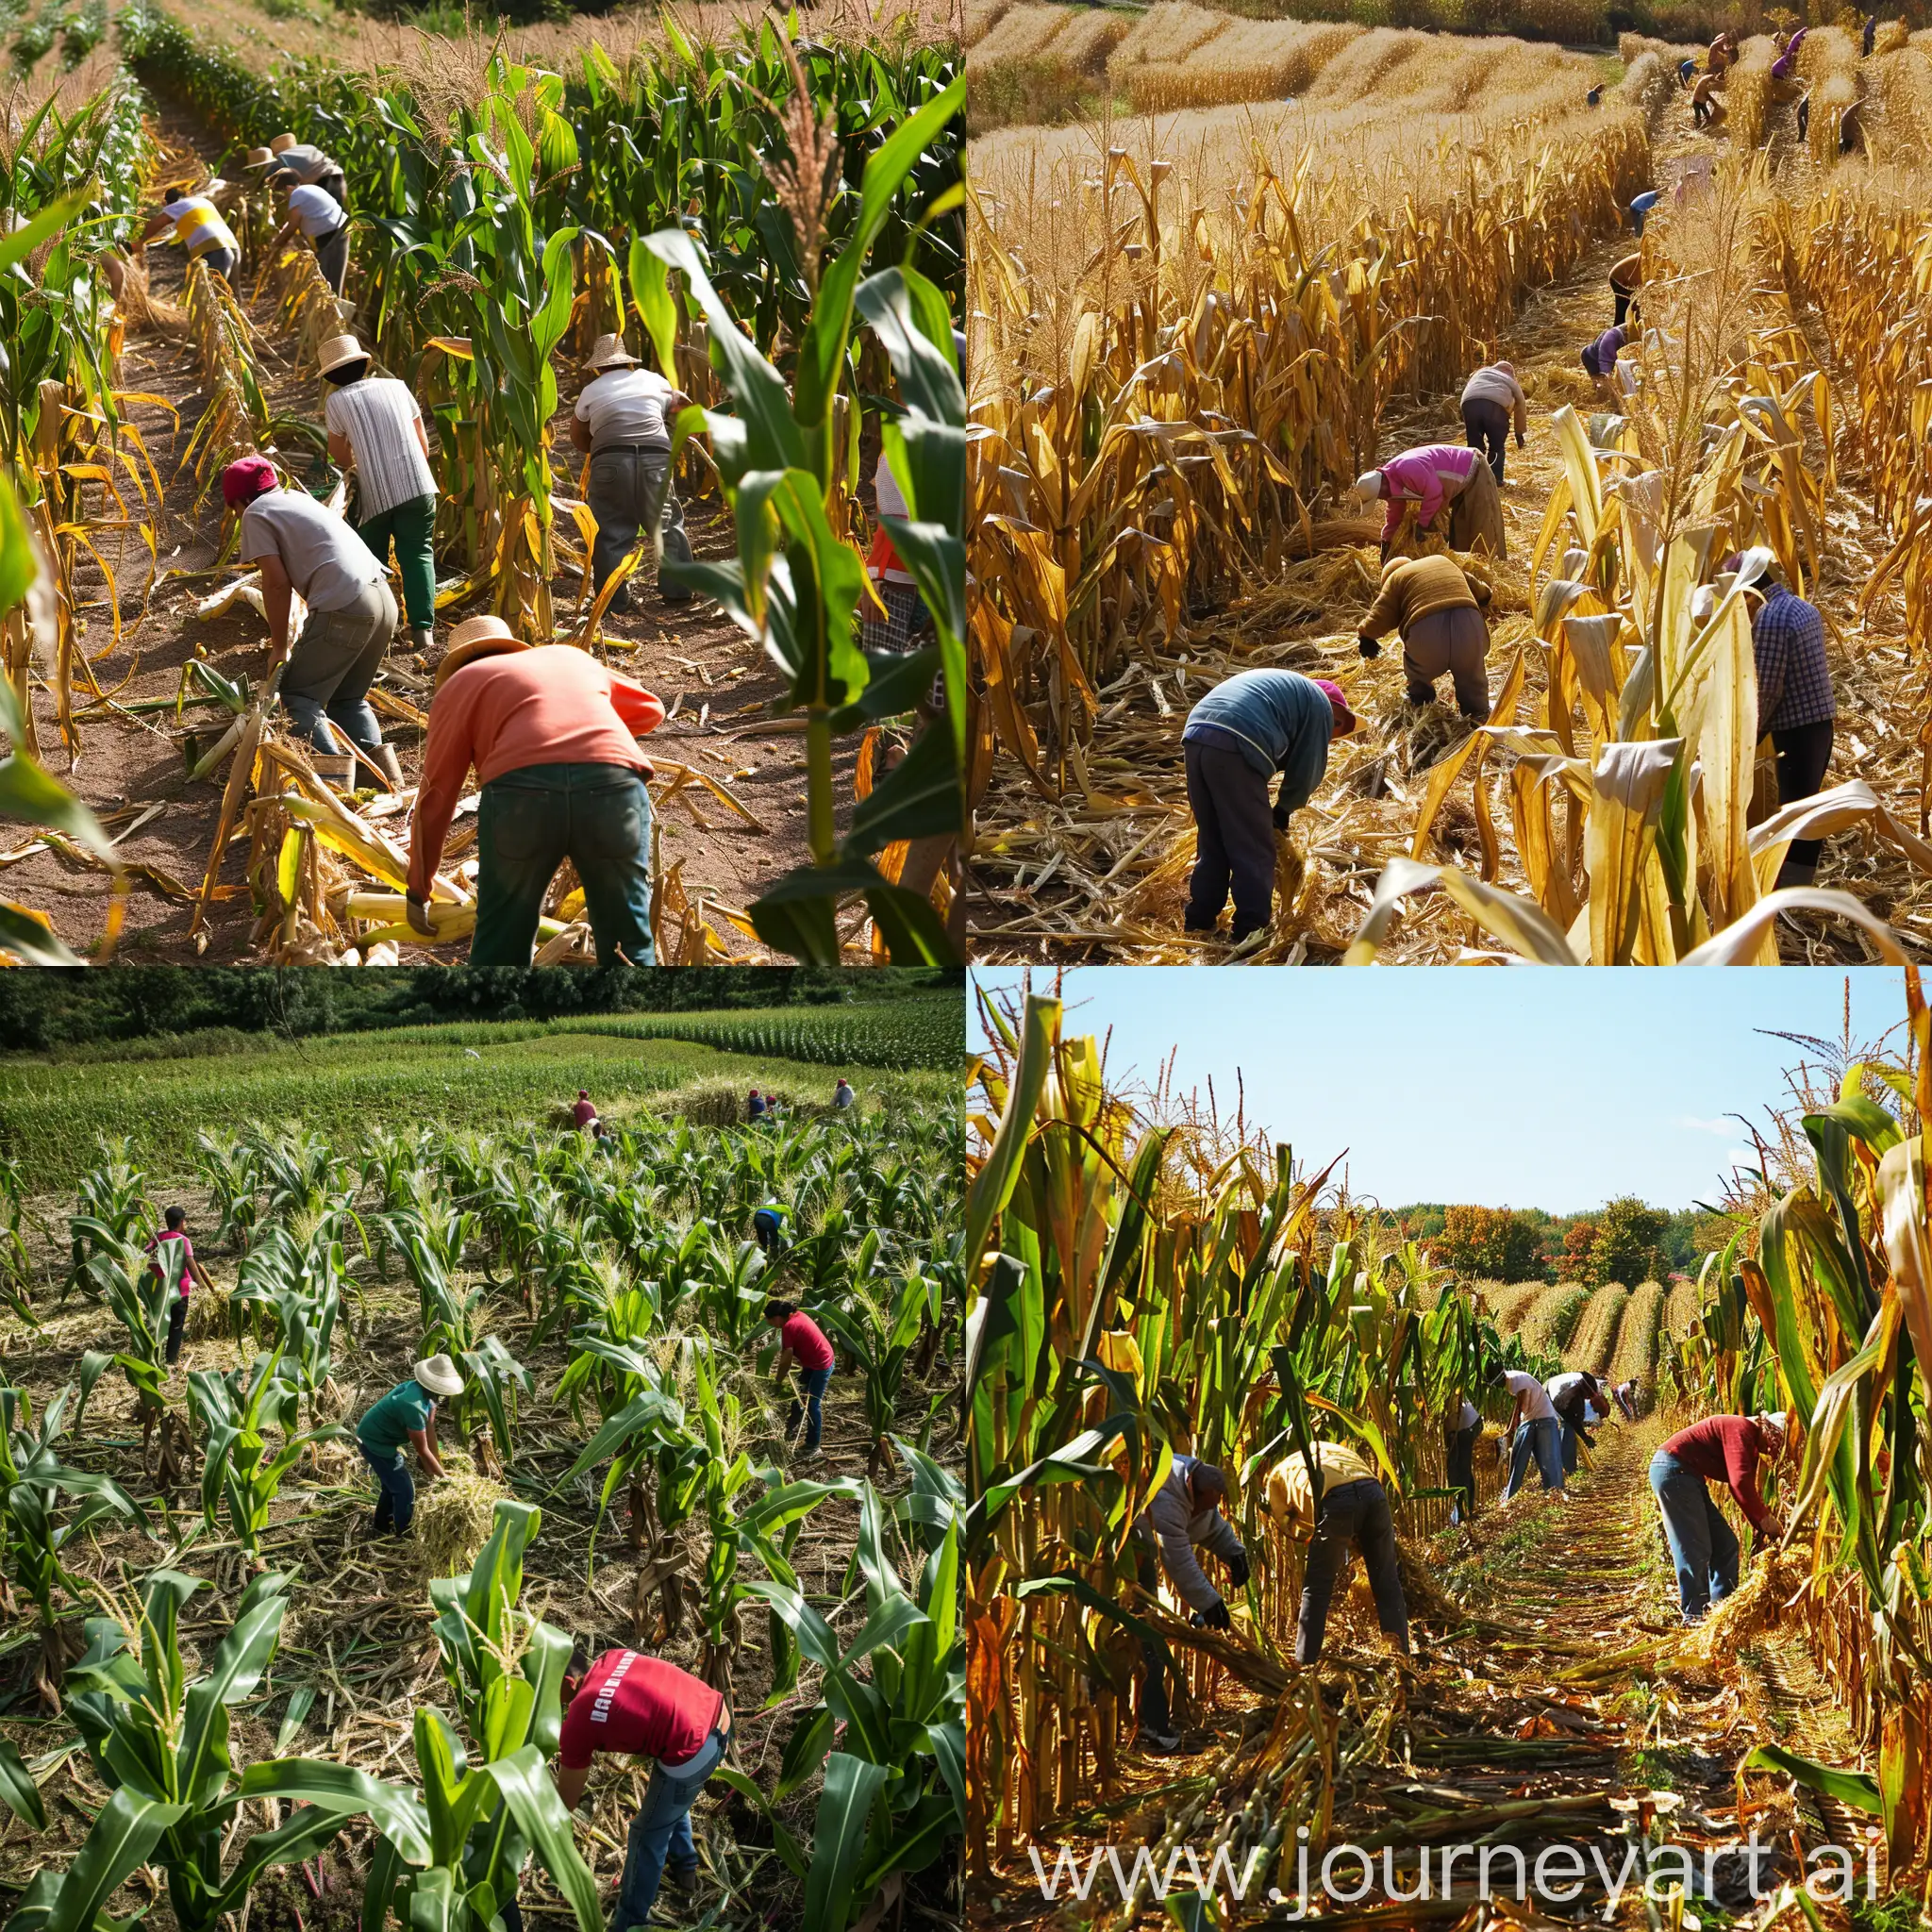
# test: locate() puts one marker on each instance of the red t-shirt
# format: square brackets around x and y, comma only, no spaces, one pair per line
[585,1112]
[1724,1449]
[806,1341]
[638,1706]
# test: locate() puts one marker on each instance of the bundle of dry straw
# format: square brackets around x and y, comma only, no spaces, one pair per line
[454,1516]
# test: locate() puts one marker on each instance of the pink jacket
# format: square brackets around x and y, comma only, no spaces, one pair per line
[1428,477]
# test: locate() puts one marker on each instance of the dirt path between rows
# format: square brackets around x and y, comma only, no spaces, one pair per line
[717,690]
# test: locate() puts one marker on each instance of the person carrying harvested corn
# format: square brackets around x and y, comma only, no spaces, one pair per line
[552,735]
[289,160]
[1491,399]
[1703,1548]
[1571,1394]
[374,423]
[628,1704]
[1797,708]
[175,1266]
[199,229]
[801,1341]
[323,223]
[1534,1429]
[1185,1511]
[306,552]
[1346,1507]
[1439,477]
[407,1415]
[1247,728]
[623,422]
[1434,607]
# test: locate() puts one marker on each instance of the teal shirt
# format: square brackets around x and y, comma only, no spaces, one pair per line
[386,1427]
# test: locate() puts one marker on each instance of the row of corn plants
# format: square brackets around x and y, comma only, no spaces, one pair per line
[1140,1289]
[637,1257]
[724,203]
[1822,1308]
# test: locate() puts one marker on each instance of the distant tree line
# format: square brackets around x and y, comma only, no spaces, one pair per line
[53,1009]
[1623,1240]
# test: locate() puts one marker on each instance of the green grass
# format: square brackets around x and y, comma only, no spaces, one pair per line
[492,1078]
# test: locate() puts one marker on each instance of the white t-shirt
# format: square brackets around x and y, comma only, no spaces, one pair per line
[1540,1408]
[198,223]
[317,209]
[627,406]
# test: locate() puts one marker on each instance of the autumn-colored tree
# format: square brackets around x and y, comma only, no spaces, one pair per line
[1578,1242]
[1489,1243]
[1628,1248]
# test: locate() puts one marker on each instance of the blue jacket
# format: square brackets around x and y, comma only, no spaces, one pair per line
[1279,721]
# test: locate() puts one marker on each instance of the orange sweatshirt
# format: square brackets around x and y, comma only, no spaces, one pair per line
[551,706]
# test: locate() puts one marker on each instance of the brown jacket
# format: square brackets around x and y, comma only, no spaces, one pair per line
[1411,588]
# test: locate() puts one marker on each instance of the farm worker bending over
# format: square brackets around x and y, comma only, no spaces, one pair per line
[1491,398]
[553,737]
[1706,110]
[585,1109]
[802,1340]
[1247,728]
[173,1265]
[199,228]
[1640,207]
[289,160]
[1721,1449]
[632,1705]
[1786,66]
[306,552]
[1685,70]
[1186,1510]
[1569,1395]
[1461,1428]
[1723,53]
[1438,475]
[406,1414]
[1796,707]
[374,423]
[623,419]
[1626,277]
[769,1224]
[324,223]
[1534,1429]
[1600,358]
[755,1106]
[1430,602]
[1349,1510]
[1625,1396]
[842,1095]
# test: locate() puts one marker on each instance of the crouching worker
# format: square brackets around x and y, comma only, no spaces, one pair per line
[1703,1548]
[1247,728]
[1186,1510]
[552,735]
[1599,359]
[1439,477]
[1346,1508]
[630,1706]
[406,1415]
[307,552]
[198,228]
[1434,607]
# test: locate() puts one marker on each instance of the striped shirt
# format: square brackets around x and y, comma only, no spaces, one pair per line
[1793,679]
[379,416]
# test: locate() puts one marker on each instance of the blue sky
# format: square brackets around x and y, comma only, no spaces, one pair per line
[1523,1087]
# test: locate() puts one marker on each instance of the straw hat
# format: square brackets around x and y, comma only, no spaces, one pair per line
[609,353]
[281,143]
[478,637]
[338,350]
[440,1375]
[260,157]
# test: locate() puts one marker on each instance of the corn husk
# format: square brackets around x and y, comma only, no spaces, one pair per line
[1757,1604]
[454,1515]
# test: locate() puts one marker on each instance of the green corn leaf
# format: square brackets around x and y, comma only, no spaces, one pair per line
[1853,1787]
[539,1814]
[838,1840]
[125,1831]
[18,1791]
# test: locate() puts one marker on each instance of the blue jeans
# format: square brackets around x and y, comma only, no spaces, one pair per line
[396,1505]
[661,1832]
[1703,1545]
[811,1383]
[1538,1439]
[528,821]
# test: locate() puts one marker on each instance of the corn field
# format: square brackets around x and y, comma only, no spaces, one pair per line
[613,1456]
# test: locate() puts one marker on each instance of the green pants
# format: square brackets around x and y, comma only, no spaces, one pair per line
[412,528]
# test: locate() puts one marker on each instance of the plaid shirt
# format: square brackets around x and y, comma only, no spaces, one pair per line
[1793,680]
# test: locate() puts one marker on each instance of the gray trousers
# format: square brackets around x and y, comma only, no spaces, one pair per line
[334,661]
[629,489]
[332,257]
[1456,642]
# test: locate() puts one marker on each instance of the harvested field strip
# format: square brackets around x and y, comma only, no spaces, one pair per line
[1595,1339]
[1547,1324]
[1635,1354]
[1510,1303]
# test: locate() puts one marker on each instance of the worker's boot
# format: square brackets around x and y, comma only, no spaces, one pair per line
[422,638]
[384,757]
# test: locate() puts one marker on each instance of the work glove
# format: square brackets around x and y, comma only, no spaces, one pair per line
[1368,647]
[1238,1569]
[1214,1617]
[419,917]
